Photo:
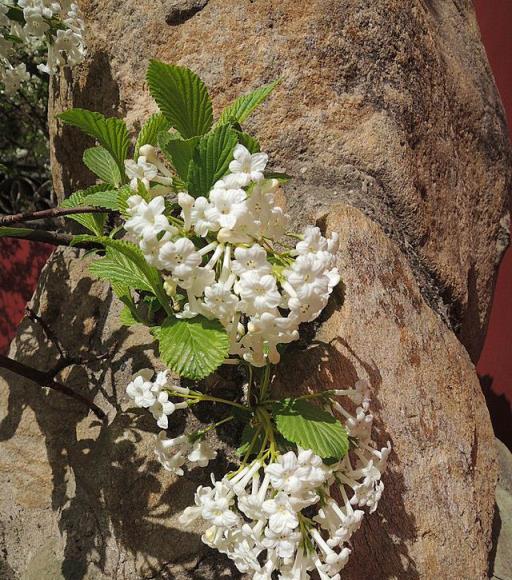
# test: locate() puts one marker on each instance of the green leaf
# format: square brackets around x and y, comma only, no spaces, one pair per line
[148,135]
[311,427]
[192,347]
[240,110]
[95,223]
[248,435]
[182,97]
[211,160]
[178,151]
[137,272]
[281,177]
[105,199]
[117,267]
[8,232]
[127,318]
[102,164]
[111,133]
[249,142]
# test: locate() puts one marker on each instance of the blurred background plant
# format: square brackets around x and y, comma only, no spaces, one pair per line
[25,183]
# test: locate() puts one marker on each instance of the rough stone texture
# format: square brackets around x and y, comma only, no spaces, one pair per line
[502,564]
[389,106]
[90,501]
[439,504]
[82,499]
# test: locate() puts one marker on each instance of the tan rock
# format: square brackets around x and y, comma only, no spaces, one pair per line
[387,106]
[436,519]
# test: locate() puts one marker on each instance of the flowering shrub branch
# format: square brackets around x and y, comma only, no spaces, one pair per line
[203,255]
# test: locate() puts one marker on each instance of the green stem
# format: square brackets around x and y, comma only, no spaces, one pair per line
[215,425]
[198,397]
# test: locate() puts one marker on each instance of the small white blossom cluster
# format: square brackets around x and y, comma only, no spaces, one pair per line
[56,24]
[221,254]
[154,396]
[295,515]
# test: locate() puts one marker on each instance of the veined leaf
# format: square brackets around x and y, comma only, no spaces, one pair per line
[148,135]
[117,267]
[111,133]
[192,347]
[142,275]
[12,232]
[127,318]
[182,97]
[249,142]
[102,164]
[178,151]
[95,223]
[211,160]
[106,199]
[240,109]
[309,426]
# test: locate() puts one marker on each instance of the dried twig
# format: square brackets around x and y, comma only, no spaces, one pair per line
[53,238]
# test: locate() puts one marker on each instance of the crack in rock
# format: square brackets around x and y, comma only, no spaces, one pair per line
[182,10]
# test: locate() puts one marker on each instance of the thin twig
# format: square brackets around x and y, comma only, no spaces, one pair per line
[48,213]
[47,380]
[53,238]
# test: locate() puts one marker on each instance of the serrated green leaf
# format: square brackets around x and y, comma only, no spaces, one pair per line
[11,232]
[240,109]
[111,133]
[182,97]
[102,164]
[117,267]
[179,152]
[95,223]
[309,426]
[148,135]
[105,199]
[211,160]
[192,347]
[141,274]
[249,142]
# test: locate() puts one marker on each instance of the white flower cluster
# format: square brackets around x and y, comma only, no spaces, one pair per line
[56,24]
[286,517]
[222,254]
[154,396]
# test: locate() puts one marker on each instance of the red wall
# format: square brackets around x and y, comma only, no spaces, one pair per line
[495,20]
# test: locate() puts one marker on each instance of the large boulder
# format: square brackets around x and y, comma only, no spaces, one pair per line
[388,108]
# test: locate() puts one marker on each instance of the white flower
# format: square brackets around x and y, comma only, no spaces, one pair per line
[258,293]
[147,219]
[248,167]
[280,512]
[170,452]
[287,474]
[181,257]
[140,389]
[284,543]
[202,453]
[226,206]
[253,258]
[202,224]
[162,408]
[140,170]
[220,302]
